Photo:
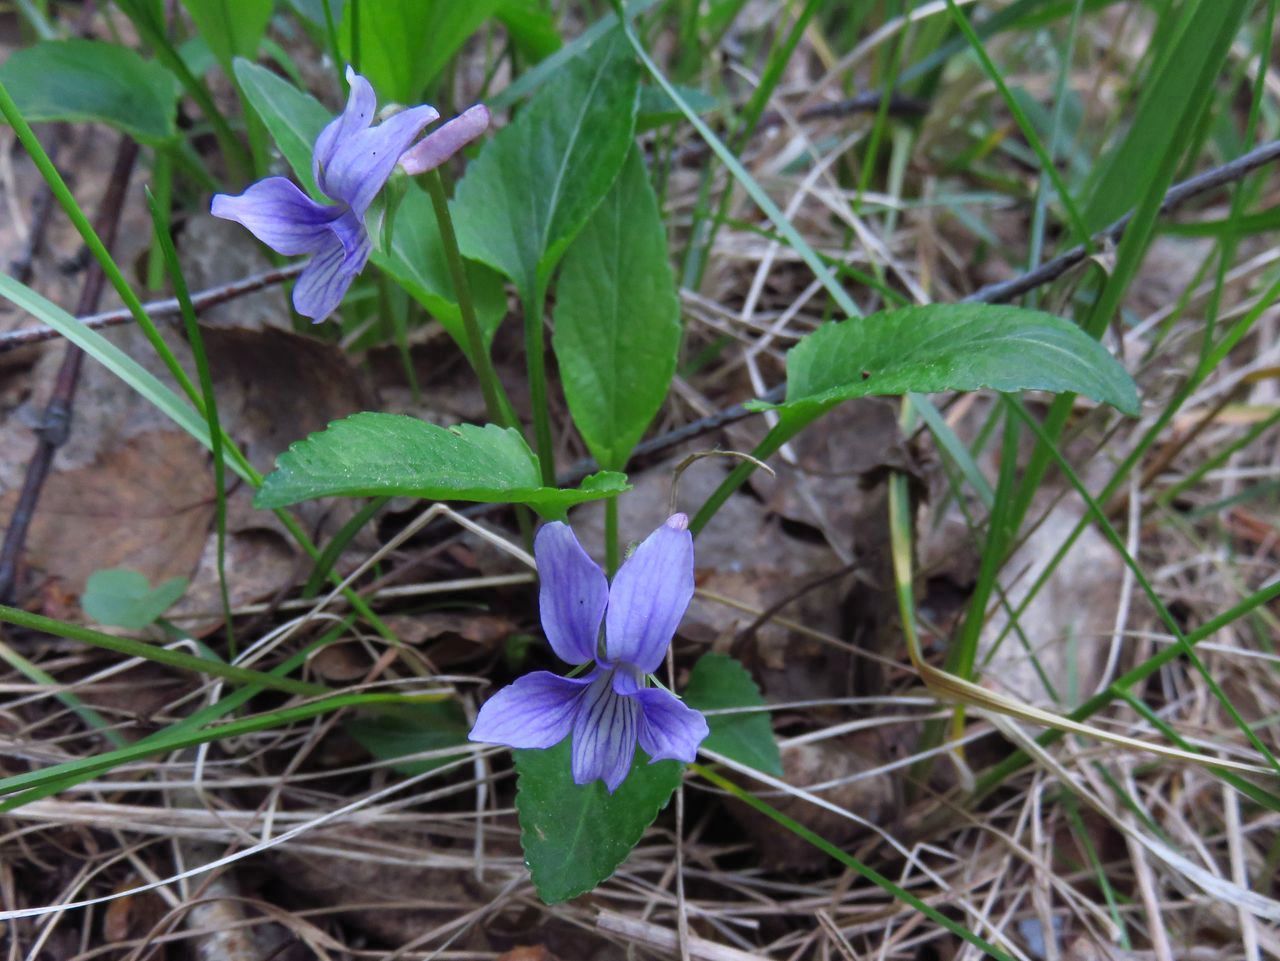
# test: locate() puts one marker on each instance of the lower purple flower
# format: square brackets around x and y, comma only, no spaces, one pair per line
[609,710]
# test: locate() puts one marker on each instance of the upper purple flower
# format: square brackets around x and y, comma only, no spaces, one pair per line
[609,709]
[351,162]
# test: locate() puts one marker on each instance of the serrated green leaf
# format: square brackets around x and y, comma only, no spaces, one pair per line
[617,319]
[231,28]
[293,117]
[92,81]
[417,262]
[389,455]
[398,730]
[575,836]
[950,347]
[718,681]
[119,597]
[535,184]
[404,44]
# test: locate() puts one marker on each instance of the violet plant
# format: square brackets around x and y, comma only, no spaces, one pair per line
[560,201]
[560,198]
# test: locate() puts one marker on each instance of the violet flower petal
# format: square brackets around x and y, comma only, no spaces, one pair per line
[649,596]
[669,729]
[280,215]
[358,114]
[537,711]
[439,145]
[360,164]
[324,281]
[604,733]
[572,594]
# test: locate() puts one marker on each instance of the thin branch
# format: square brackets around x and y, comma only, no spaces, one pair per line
[159,308]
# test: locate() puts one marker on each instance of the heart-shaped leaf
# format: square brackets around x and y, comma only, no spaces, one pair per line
[398,730]
[718,682]
[575,836]
[120,597]
[404,44]
[387,455]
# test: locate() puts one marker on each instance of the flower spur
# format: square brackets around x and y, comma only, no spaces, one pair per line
[610,709]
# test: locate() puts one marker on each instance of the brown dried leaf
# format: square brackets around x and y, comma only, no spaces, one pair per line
[145,506]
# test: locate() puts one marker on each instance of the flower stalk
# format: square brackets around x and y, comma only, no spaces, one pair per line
[495,397]
[535,357]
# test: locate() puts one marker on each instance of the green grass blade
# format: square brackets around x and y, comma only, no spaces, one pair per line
[849,861]
[137,752]
[206,715]
[739,172]
[160,222]
[1047,166]
[69,698]
[131,647]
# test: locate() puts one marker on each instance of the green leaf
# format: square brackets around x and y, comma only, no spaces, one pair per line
[404,44]
[313,10]
[718,681]
[576,836]
[92,81]
[231,28]
[531,26]
[401,729]
[617,319]
[535,184]
[950,347]
[123,598]
[292,117]
[387,455]
[417,262]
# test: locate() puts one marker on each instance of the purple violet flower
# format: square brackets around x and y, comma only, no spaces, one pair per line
[351,162]
[610,709]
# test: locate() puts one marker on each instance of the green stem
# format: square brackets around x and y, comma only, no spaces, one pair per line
[162,178]
[67,697]
[335,49]
[160,221]
[611,536]
[495,397]
[783,432]
[355,34]
[535,357]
